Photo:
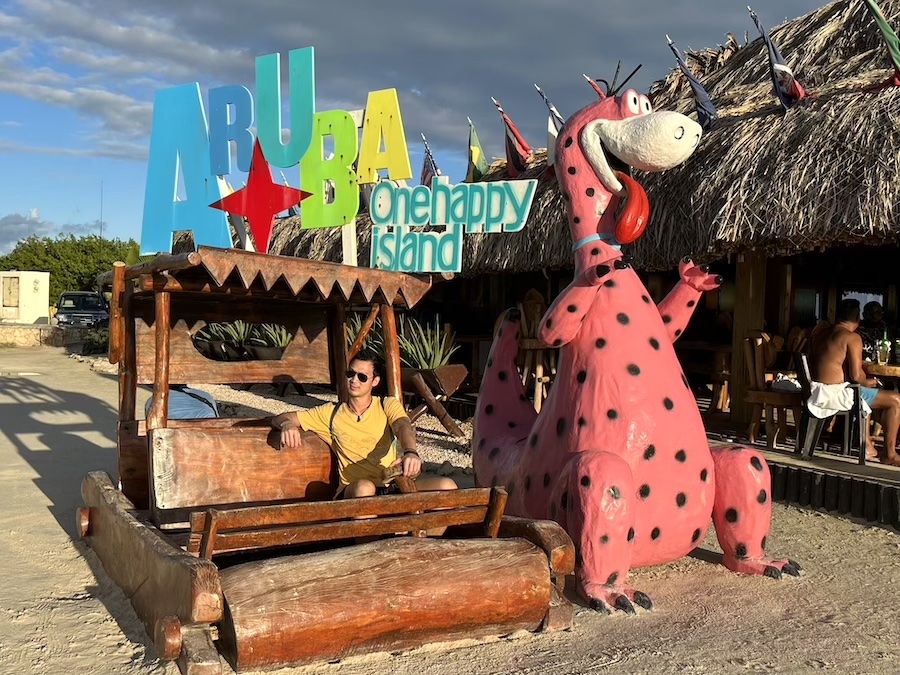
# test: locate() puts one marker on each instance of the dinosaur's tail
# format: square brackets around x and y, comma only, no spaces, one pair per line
[504,416]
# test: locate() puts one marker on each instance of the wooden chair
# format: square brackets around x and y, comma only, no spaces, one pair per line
[763,398]
[810,428]
[539,362]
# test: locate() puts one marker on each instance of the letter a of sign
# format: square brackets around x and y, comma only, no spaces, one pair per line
[180,141]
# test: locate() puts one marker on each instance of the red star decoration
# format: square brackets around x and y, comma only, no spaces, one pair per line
[261,200]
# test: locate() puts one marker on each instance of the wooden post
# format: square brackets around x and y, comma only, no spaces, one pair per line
[750,291]
[159,411]
[128,364]
[337,316]
[890,304]
[391,351]
[364,331]
[116,320]
[784,300]
[831,310]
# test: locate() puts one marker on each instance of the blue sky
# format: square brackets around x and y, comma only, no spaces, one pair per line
[77,79]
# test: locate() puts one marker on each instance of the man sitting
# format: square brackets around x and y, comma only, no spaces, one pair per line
[836,360]
[363,434]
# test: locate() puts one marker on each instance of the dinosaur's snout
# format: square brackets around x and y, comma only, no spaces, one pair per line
[653,142]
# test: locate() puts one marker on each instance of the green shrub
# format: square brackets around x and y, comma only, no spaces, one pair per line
[270,335]
[424,346]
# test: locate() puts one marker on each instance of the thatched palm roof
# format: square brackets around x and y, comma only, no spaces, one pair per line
[822,174]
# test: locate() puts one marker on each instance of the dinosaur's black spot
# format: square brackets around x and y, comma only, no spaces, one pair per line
[582,376]
[614,492]
[604,539]
[731,515]
[561,426]
[546,480]
[740,551]
[681,499]
[511,425]
[613,578]
[681,456]
[649,452]
[493,453]
[595,251]
[631,534]
[549,323]
[582,422]
[696,536]
[502,375]
[572,309]
[490,363]
[645,299]
[510,488]
[481,443]
[576,220]
[557,342]
[612,414]
[533,440]
[756,464]
[586,481]
[704,475]
[763,543]
[621,264]
[668,403]
[677,332]
[564,501]
[527,483]
[622,318]
[644,491]
[589,192]
[654,535]
[609,283]
[571,170]
[633,370]
[489,409]
[601,343]
[762,497]
[691,303]
[667,318]
[654,343]
[568,142]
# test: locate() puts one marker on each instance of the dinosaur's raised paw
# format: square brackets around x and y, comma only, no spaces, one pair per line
[698,276]
[604,598]
[769,567]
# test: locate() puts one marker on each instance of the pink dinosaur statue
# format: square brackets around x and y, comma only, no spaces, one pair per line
[619,454]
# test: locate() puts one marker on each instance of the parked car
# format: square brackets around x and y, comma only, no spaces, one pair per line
[82,308]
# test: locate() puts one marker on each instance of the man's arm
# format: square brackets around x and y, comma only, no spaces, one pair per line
[289,426]
[854,362]
[403,431]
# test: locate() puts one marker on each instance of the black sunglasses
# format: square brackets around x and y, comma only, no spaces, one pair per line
[362,376]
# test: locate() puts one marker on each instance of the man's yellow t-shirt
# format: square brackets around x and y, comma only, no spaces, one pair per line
[363,445]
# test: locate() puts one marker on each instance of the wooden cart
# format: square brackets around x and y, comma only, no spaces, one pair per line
[224,543]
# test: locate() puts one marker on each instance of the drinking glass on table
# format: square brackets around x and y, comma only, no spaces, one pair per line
[884,352]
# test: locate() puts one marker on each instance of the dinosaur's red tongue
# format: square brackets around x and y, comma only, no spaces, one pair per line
[636,212]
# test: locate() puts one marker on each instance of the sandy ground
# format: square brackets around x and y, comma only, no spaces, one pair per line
[59,613]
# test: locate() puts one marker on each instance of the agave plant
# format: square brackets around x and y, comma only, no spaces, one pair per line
[424,346]
[270,335]
[213,332]
[238,331]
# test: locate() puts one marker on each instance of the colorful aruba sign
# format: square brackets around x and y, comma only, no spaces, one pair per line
[185,141]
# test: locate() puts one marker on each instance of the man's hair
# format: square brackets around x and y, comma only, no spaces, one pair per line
[371,357]
[870,308]
[847,310]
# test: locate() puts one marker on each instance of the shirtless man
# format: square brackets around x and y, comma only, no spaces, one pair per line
[836,357]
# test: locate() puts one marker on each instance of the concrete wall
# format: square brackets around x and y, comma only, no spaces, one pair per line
[13,335]
[25,297]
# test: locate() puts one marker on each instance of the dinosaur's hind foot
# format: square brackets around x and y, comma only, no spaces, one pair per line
[605,598]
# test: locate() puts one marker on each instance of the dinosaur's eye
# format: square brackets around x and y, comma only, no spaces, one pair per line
[634,104]
[679,133]
[646,108]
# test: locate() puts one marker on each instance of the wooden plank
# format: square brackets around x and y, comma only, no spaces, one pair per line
[817,498]
[805,488]
[297,609]
[392,352]
[858,498]
[548,536]
[872,501]
[163,261]
[128,367]
[337,329]
[832,492]
[303,361]
[199,655]
[779,481]
[845,485]
[497,505]
[792,492]
[750,287]
[133,464]
[158,577]
[315,512]
[159,409]
[197,467]
[293,535]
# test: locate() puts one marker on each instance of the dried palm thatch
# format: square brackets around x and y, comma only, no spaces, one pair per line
[822,174]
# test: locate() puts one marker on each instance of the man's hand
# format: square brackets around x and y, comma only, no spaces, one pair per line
[873,382]
[412,464]
[291,437]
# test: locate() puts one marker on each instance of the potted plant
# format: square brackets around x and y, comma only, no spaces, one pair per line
[237,333]
[268,341]
[210,341]
[427,348]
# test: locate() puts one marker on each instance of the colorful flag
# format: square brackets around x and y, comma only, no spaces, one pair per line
[706,111]
[478,164]
[787,88]
[555,122]
[890,38]
[517,149]
[429,166]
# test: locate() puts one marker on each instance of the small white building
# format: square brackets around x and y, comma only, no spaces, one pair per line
[25,297]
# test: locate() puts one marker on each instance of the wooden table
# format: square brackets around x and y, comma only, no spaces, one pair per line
[718,374]
[881,370]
